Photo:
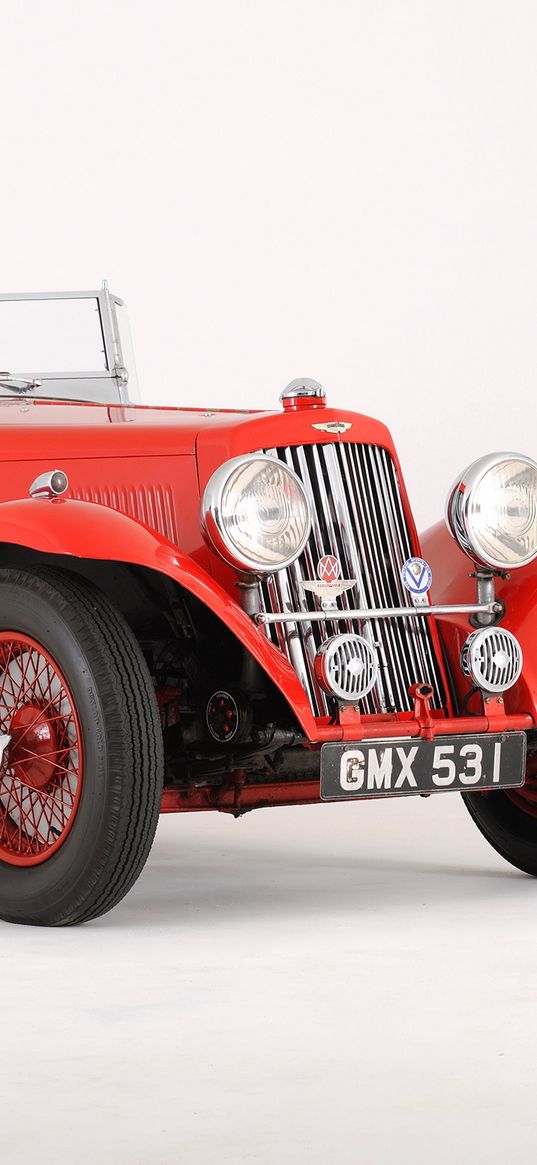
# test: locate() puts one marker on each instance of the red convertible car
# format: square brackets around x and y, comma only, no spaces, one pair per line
[210,609]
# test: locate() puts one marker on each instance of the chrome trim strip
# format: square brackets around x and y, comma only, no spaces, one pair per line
[357,515]
[363,614]
[295,578]
[425,641]
[284,584]
[401,649]
[351,534]
[341,543]
[398,546]
[379,595]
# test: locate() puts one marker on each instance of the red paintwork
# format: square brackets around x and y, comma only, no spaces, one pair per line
[136,476]
[452,584]
[134,459]
[40,785]
[95,532]
[265,431]
[525,798]
[235,797]
[34,744]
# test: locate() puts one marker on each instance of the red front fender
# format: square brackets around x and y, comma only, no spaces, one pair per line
[452,584]
[89,531]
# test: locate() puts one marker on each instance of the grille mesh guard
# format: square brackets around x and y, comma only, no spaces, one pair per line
[357,516]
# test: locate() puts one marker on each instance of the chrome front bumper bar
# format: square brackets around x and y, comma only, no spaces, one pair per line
[331,615]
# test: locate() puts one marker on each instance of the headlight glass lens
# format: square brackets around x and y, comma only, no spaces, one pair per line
[256,513]
[494,511]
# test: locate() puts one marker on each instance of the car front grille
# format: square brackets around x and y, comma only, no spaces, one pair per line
[358,516]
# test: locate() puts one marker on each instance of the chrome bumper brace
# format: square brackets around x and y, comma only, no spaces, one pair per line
[331,614]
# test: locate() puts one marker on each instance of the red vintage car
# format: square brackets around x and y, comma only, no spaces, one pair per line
[225,609]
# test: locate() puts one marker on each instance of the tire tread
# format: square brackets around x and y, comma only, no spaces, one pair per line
[125,684]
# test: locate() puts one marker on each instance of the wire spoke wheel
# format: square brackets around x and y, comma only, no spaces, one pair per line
[81,751]
[42,769]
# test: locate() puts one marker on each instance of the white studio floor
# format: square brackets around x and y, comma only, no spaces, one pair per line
[349,985]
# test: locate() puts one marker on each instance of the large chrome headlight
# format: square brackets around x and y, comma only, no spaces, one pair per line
[256,513]
[492,510]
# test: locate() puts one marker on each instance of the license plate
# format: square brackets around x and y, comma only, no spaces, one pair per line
[383,768]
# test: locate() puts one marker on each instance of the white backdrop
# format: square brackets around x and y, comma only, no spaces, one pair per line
[348,191]
[344,191]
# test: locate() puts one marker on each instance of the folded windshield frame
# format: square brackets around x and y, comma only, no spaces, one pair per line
[111,383]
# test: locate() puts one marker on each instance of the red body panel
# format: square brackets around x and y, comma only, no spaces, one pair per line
[136,476]
[452,584]
[97,532]
[142,462]
[234,436]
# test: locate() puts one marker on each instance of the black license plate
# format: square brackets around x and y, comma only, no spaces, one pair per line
[383,768]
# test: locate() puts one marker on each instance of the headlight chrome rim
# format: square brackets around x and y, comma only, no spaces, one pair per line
[213,524]
[459,519]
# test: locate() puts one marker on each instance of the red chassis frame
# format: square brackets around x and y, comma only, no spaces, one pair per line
[95,443]
[237,797]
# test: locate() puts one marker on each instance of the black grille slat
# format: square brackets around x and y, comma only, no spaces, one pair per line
[381,593]
[419,628]
[396,548]
[374,562]
[358,516]
[363,595]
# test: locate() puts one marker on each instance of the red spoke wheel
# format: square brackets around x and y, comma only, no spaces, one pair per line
[42,768]
[508,818]
[81,749]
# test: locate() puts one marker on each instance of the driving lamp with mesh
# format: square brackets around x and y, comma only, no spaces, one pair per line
[256,513]
[492,510]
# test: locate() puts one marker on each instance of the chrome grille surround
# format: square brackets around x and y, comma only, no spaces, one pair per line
[358,516]
[492,659]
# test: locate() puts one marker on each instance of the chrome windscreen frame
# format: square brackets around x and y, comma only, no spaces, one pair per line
[102,386]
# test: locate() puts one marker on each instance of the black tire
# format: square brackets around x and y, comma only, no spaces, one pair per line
[508,829]
[113,829]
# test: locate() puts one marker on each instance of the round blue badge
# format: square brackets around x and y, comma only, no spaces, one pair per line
[417,576]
